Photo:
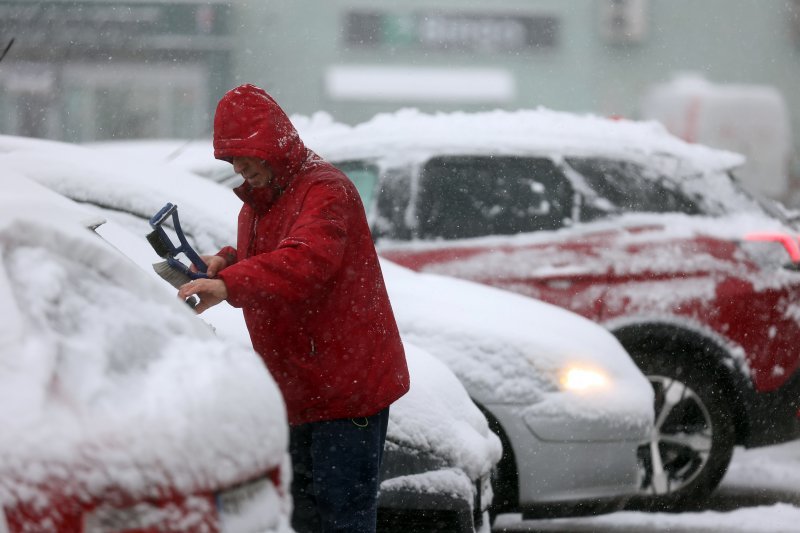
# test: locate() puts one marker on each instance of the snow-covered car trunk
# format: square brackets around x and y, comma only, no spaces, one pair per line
[116,403]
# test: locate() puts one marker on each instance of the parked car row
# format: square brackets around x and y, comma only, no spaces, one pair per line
[570,448]
[631,252]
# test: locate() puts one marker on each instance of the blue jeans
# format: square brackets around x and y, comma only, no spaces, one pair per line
[336,465]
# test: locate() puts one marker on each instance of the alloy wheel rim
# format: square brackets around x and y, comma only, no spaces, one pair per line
[679,446]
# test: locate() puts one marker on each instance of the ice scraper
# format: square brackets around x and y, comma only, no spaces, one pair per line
[175,272]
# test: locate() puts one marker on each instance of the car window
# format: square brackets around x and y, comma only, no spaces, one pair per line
[364,176]
[385,195]
[471,196]
[622,186]
[392,218]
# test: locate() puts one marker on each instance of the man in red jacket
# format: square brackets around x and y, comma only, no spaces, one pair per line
[307,277]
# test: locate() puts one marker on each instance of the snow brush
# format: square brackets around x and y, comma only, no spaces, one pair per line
[172,270]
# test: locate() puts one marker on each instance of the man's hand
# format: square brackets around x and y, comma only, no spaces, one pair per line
[214,263]
[210,291]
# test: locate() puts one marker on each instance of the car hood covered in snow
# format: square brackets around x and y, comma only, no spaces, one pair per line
[105,384]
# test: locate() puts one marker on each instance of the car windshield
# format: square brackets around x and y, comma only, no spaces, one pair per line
[471,196]
[626,187]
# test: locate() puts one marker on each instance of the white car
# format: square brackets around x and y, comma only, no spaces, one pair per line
[440,451]
[569,404]
[118,408]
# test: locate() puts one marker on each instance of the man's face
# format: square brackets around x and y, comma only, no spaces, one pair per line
[254,171]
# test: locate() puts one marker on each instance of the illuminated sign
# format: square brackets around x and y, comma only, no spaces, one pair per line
[457,32]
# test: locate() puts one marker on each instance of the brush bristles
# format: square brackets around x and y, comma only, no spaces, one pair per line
[154,238]
[172,276]
[176,279]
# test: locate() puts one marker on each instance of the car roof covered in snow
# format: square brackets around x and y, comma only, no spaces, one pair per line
[414,136]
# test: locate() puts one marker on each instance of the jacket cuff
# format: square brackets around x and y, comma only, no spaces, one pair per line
[238,293]
[228,253]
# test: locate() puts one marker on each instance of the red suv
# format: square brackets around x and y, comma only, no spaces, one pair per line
[624,224]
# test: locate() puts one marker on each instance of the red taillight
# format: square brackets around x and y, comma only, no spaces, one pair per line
[275,477]
[789,242]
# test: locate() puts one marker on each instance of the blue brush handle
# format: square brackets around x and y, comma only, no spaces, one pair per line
[185,248]
[177,265]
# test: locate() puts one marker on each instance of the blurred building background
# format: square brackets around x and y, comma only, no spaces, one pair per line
[99,69]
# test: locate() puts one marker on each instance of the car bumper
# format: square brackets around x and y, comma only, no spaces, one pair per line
[566,470]
[444,498]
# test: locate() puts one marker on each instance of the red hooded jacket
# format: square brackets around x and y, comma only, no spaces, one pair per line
[305,271]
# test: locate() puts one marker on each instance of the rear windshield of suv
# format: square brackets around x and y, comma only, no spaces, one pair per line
[471,196]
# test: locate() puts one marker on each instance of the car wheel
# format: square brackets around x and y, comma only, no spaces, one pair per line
[692,442]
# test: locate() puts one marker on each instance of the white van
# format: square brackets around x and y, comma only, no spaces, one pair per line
[752,120]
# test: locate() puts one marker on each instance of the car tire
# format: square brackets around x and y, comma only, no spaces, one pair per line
[691,446]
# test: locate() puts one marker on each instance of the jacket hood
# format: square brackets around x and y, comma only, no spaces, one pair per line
[249,123]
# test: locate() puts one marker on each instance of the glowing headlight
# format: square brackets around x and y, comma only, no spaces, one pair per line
[579,379]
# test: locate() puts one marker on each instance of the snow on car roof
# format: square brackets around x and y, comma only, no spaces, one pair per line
[413,134]
[104,382]
[128,184]
[196,156]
